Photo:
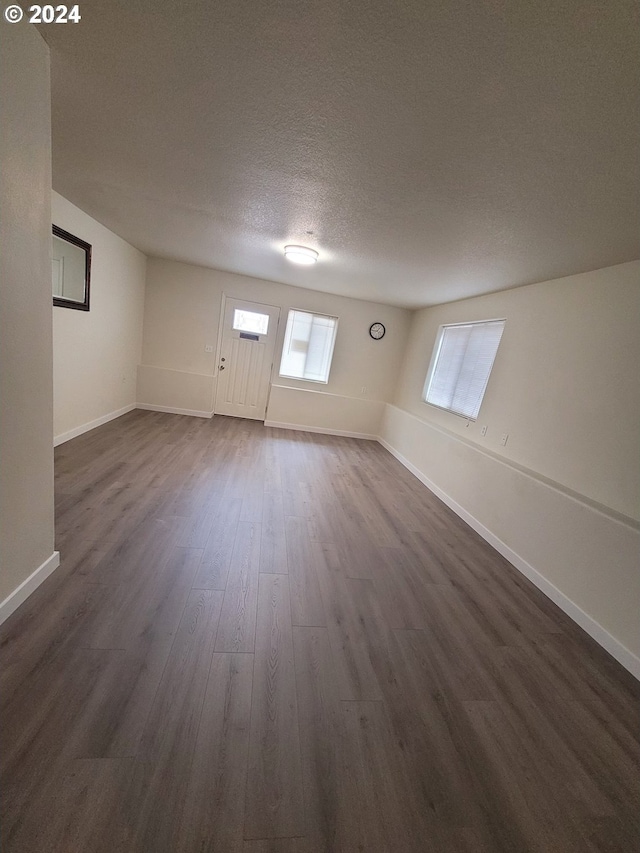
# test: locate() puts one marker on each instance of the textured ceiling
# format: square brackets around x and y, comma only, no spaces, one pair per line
[435,150]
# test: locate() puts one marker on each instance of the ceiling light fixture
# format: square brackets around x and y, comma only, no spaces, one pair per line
[300,254]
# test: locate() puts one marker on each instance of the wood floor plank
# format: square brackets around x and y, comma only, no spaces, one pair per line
[282,845]
[378,523]
[320,723]
[442,782]
[149,604]
[272,472]
[79,556]
[398,594]
[273,554]
[213,571]
[452,646]
[168,746]
[80,807]
[115,712]
[275,804]
[539,713]
[426,553]
[236,631]
[343,599]
[254,497]
[607,692]
[50,621]
[174,718]
[291,456]
[455,758]
[130,556]
[35,735]
[198,528]
[378,791]
[536,817]
[306,602]
[134,506]
[609,835]
[202,675]
[215,796]
[341,525]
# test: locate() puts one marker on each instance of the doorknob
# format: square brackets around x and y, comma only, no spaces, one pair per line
[221,367]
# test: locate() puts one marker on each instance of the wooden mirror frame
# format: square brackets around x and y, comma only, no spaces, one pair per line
[60,301]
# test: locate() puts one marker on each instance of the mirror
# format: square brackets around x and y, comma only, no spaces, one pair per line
[70,270]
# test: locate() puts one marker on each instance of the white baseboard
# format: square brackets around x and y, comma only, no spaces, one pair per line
[148,407]
[322,430]
[73,433]
[615,648]
[22,592]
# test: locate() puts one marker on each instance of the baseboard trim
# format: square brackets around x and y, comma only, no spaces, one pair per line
[615,648]
[22,592]
[74,433]
[322,430]
[148,407]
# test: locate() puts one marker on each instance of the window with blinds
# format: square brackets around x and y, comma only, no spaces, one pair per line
[460,366]
[308,346]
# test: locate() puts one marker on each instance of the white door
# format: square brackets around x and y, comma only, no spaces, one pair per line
[246,358]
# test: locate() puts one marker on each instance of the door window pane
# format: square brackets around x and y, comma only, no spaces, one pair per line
[250,321]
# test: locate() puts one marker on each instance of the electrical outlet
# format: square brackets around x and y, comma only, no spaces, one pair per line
[504,439]
[208,348]
[483,431]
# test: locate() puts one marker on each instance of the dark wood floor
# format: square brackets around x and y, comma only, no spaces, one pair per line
[262,641]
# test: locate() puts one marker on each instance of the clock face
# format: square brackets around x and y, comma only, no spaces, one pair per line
[377,331]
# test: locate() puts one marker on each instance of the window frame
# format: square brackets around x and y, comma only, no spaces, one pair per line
[333,345]
[435,355]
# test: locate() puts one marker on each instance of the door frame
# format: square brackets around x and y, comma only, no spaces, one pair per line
[223,309]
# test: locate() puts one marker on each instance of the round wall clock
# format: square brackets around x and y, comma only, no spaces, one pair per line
[377,330]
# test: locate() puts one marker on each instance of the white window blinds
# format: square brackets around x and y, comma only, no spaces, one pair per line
[308,346]
[460,366]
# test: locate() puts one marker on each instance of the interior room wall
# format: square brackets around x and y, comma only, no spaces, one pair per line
[96,353]
[561,498]
[26,412]
[182,316]
[564,385]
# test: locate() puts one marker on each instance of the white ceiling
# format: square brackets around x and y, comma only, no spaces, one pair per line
[435,150]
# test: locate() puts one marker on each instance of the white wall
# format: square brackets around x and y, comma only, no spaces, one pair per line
[182,314]
[561,499]
[96,352]
[26,411]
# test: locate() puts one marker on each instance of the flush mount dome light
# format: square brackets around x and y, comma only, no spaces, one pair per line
[300,254]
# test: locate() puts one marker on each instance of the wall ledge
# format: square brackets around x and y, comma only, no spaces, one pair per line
[29,585]
[328,393]
[149,407]
[73,433]
[609,512]
[173,370]
[321,430]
